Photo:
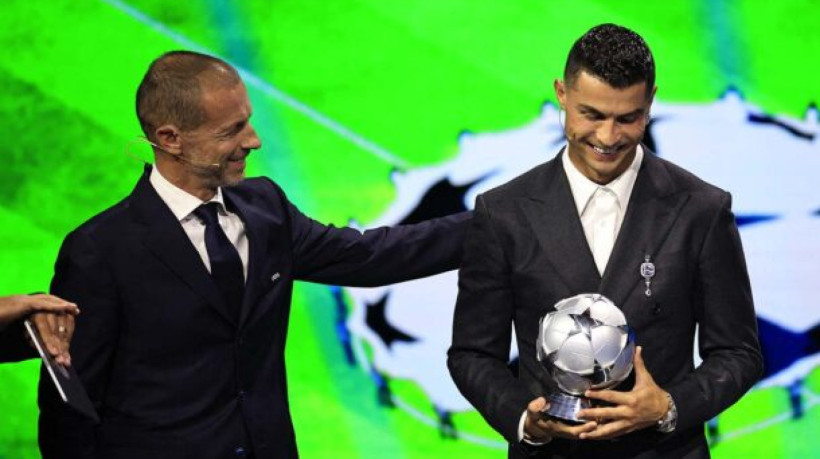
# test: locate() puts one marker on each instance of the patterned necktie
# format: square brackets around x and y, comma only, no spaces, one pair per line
[226,266]
[605,208]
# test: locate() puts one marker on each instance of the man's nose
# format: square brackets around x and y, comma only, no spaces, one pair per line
[252,141]
[608,133]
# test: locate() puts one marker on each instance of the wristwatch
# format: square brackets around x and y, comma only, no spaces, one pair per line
[667,423]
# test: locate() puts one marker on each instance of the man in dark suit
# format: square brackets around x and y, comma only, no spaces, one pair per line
[585,222]
[186,284]
[52,316]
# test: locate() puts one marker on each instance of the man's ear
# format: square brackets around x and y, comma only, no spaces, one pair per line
[168,139]
[649,106]
[560,93]
[652,97]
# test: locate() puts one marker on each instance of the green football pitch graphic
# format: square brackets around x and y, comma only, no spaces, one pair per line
[344,92]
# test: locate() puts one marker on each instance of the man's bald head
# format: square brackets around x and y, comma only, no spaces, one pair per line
[171,90]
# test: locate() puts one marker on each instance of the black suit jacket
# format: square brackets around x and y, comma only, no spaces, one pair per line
[526,250]
[13,344]
[168,368]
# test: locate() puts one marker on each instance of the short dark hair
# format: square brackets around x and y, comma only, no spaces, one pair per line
[614,54]
[171,90]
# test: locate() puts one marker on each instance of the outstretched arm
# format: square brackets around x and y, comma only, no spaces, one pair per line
[380,256]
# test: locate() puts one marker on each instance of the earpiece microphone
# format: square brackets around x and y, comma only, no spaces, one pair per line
[197,164]
[213,167]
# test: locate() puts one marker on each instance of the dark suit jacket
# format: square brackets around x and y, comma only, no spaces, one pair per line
[13,344]
[170,372]
[526,250]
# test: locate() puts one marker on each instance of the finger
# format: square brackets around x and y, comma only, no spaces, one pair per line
[51,303]
[63,359]
[641,373]
[572,429]
[53,335]
[70,325]
[64,330]
[611,396]
[577,431]
[47,326]
[65,305]
[538,431]
[534,423]
[553,427]
[537,407]
[47,298]
[607,431]
[604,413]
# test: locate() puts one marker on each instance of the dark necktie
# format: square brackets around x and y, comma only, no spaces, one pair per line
[226,266]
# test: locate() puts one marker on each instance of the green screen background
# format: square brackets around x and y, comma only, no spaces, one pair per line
[344,92]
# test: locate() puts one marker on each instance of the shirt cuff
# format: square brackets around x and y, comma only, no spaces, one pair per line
[521,437]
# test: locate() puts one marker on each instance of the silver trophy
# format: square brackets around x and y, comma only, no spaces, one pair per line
[584,344]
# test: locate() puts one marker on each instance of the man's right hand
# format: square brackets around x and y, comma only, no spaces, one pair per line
[53,317]
[541,428]
[19,306]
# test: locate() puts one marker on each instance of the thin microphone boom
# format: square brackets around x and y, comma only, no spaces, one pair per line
[180,157]
[191,162]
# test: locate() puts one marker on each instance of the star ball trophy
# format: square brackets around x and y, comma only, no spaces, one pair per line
[584,344]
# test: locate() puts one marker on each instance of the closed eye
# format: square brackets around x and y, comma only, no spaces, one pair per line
[628,118]
[592,115]
[234,129]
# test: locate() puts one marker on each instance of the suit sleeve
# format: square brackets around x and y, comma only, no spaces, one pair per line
[13,344]
[344,256]
[482,329]
[81,277]
[729,345]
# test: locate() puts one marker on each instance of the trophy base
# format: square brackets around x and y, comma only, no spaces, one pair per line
[566,407]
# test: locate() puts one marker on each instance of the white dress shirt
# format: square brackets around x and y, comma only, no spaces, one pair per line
[601,209]
[183,204]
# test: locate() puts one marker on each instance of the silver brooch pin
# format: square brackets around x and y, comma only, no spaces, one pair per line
[648,272]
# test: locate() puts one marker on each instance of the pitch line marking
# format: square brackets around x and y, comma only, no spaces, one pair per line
[269,89]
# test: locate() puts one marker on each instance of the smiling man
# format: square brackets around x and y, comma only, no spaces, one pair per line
[186,284]
[585,222]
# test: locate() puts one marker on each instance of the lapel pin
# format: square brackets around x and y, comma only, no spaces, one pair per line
[275,277]
[648,272]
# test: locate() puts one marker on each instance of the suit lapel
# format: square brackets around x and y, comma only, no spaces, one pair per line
[551,211]
[260,253]
[167,241]
[653,208]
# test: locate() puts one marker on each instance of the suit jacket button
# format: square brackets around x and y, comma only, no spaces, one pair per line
[240,451]
[241,396]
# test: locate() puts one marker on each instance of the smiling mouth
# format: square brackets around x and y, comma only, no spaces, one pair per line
[606,151]
[238,159]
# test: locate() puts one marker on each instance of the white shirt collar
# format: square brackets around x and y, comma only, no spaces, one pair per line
[583,188]
[178,200]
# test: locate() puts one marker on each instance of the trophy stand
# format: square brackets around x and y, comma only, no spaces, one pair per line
[566,407]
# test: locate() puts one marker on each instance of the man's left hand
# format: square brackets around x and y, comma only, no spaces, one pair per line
[56,331]
[637,409]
